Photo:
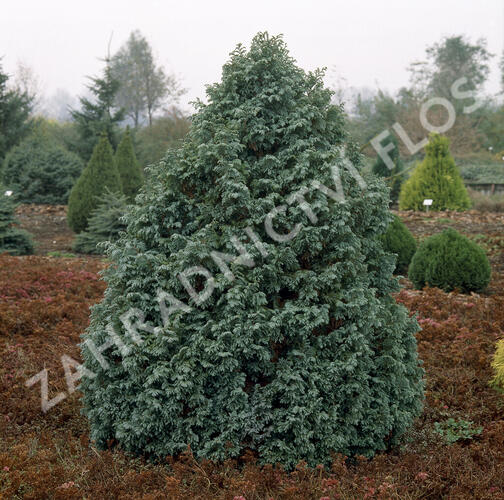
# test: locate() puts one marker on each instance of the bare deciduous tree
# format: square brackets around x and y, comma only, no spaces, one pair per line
[144,86]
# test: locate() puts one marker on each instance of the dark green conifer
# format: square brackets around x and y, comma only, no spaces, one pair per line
[40,171]
[15,110]
[399,240]
[105,224]
[394,177]
[450,260]
[99,115]
[13,240]
[100,173]
[128,166]
[299,351]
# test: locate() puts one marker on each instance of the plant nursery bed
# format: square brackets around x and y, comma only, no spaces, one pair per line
[455,450]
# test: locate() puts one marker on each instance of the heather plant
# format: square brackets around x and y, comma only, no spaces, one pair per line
[450,261]
[249,303]
[437,178]
[100,174]
[398,240]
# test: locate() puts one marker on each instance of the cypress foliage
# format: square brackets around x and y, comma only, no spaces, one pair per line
[100,173]
[128,166]
[299,351]
[450,261]
[394,177]
[399,240]
[13,240]
[436,178]
[105,224]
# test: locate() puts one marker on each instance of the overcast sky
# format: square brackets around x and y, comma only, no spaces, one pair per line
[369,42]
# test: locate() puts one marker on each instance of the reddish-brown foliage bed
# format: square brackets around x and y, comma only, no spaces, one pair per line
[44,306]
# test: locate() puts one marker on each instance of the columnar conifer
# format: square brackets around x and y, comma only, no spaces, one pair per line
[130,170]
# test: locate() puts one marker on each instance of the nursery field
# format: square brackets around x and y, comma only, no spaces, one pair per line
[455,450]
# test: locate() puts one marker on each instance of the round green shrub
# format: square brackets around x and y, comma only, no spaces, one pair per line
[299,350]
[398,239]
[450,261]
[41,171]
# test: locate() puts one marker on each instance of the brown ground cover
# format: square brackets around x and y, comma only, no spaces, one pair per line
[44,305]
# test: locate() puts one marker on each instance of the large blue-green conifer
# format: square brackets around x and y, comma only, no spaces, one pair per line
[299,350]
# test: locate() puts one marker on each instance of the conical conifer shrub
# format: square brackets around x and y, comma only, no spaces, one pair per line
[100,174]
[394,176]
[436,178]
[130,170]
[248,302]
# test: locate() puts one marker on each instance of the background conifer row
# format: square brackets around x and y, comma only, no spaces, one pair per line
[105,173]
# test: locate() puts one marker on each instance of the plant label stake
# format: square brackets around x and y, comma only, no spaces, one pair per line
[427,203]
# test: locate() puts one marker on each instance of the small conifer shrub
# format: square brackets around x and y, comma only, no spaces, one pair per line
[398,240]
[100,174]
[296,349]
[13,240]
[394,177]
[498,366]
[105,224]
[437,178]
[130,170]
[450,261]
[40,171]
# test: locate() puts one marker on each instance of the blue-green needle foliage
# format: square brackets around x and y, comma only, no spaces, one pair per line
[303,354]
